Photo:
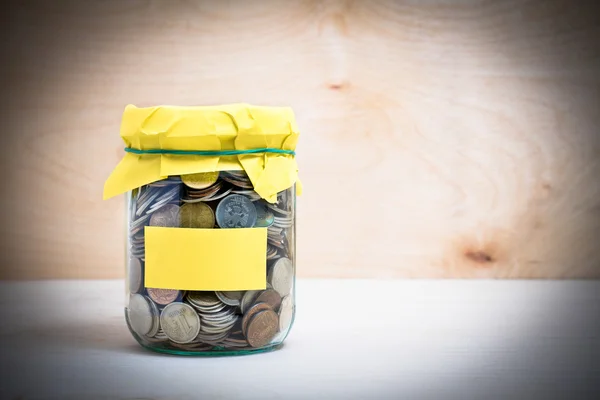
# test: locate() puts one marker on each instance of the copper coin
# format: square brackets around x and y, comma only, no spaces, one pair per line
[163,296]
[262,328]
[255,309]
[271,297]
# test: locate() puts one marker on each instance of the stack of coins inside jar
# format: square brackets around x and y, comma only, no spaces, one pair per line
[209,321]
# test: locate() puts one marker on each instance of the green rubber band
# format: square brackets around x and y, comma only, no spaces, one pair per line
[209,152]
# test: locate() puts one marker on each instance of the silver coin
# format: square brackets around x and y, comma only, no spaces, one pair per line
[160,334]
[135,275]
[218,328]
[282,275]
[151,197]
[248,299]
[211,338]
[231,298]
[212,309]
[204,299]
[286,312]
[138,223]
[279,210]
[167,216]
[140,314]
[180,322]
[155,319]
[165,199]
[218,321]
[236,211]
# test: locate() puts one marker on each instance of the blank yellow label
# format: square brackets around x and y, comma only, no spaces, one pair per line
[206,259]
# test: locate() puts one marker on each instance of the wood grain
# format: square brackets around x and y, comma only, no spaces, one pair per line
[438,139]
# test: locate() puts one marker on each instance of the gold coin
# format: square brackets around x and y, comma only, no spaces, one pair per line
[201,180]
[196,215]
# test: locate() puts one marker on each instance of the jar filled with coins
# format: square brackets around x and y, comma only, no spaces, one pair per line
[211,211]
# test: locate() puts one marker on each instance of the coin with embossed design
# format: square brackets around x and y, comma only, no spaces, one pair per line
[236,211]
[166,216]
[255,309]
[180,322]
[262,328]
[196,215]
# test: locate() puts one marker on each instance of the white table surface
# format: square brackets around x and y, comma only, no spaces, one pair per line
[352,339]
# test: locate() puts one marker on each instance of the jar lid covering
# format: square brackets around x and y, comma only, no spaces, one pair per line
[178,140]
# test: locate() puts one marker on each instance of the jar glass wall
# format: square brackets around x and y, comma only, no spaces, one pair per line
[211,322]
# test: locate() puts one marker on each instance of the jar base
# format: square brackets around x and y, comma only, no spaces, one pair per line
[213,353]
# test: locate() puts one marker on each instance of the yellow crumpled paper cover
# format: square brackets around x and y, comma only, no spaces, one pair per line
[224,127]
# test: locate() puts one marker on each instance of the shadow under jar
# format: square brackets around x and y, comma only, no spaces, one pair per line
[211,322]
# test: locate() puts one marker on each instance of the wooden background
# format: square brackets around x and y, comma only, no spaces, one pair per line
[438,138]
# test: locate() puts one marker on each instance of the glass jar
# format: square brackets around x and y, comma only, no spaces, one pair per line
[211,210]
[206,321]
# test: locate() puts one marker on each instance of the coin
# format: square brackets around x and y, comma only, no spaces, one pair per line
[155,320]
[203,298]
[180,322]
[255,309]
[272,252]
[286,313]
[196,215]
[163,296]
[271,297]
[238,178]
[209,191]
[167,197]
[135,275]
[282,275]
[236,211]
[248,299]
[140,314]
[142,205]
[200,180]
[212,197]
[231,297]
[262,328]
[167,216]
[279,210]
[217,319]
[264,217]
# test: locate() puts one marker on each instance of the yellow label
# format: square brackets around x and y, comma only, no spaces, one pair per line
[206,259]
